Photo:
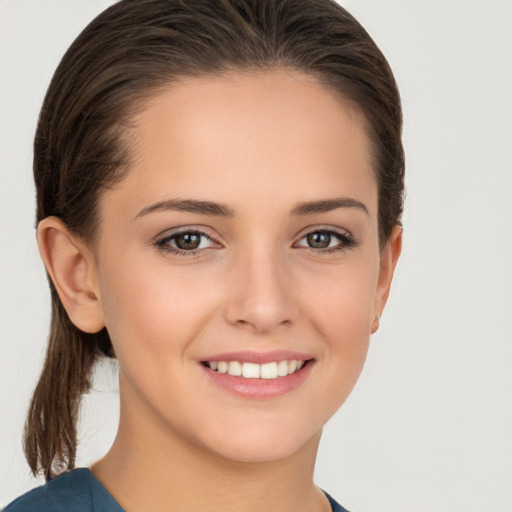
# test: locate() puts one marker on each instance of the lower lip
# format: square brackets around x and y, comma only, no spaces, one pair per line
[260,388]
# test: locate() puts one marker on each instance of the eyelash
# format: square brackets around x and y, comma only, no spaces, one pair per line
[163,243]
[346,242]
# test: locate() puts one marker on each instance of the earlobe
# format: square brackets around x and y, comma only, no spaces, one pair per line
[389,258]
[376,323]
[73,272]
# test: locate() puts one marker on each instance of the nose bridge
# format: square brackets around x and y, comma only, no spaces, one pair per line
[260,297]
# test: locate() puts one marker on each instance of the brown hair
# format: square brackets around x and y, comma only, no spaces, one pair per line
[124,56]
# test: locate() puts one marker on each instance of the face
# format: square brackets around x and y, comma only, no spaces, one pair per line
[243,240]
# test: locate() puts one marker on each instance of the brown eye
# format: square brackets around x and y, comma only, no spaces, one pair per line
[319,239]
[325,241]
[187,241]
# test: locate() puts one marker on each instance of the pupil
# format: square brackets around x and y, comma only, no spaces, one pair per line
[319,240]
[188,241]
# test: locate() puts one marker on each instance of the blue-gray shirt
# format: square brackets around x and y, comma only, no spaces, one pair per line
[79,491]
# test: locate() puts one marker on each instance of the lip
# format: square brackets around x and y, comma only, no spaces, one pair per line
[259,389]
[251,356]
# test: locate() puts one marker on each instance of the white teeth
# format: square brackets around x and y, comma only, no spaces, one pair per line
[271,370]
[251,370]
[282,368]
[234,368]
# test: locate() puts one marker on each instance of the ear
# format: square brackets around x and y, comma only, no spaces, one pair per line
[72,269]
[388,260]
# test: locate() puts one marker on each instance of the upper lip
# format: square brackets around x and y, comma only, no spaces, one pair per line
[252,356]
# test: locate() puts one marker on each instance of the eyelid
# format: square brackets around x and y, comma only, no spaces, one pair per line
[162,241]
[347,240]
[201,230]
[325,228]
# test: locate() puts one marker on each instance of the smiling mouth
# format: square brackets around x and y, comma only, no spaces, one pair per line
[272,370]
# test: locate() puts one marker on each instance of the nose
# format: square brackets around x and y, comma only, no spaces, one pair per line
[260,293]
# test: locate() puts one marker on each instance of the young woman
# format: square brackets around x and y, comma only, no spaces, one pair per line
[219,192]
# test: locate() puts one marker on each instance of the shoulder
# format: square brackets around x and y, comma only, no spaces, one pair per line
[57,495]
[77,490]
[335,506]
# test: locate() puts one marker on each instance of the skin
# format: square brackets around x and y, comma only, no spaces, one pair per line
[259,144]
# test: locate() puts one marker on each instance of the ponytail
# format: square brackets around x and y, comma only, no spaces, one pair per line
[50,437]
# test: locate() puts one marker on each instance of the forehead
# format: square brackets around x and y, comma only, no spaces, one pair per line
[261,131]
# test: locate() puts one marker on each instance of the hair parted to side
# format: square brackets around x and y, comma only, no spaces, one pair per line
[123,57]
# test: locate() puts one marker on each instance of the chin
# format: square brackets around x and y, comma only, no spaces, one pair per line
[262,444]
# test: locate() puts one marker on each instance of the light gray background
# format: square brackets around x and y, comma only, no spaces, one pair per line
[429,425]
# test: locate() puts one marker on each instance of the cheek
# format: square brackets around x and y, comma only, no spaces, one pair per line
[152,311]
[341,301]
[341,311]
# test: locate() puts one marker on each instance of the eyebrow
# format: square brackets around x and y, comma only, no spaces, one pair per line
[327,205]
[188,205]
[221,210]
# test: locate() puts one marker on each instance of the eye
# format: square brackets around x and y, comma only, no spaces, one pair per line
[185,242]
[327,240]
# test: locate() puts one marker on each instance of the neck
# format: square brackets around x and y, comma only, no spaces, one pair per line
[149,470]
